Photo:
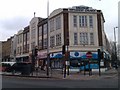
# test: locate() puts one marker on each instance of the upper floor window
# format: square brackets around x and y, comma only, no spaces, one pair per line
[28,36]
[27,47]
[84,38]
[51,25]
[83,21]
[33,45]
[58,39]
[75,20]
[75,39]
[45,29]
[91,38]
[52,41]
[40,31]
[40,44]
[58,22]
[33,33]
[45,43]
[91,21]
[24,37]
[18,39]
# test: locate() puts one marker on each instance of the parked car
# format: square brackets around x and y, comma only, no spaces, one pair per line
[6,66]
[24,67]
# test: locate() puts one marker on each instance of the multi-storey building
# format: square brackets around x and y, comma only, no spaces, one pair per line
[119,30]
[80,28]
[6,50]
[26,40]
[19,46]
[0,50]
[13,48]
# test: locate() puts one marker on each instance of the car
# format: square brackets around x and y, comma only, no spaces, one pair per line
[6,66]
[25,68]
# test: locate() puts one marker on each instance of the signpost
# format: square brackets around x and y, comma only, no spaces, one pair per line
[89,56]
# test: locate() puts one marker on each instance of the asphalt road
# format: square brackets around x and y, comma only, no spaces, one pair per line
[23,82]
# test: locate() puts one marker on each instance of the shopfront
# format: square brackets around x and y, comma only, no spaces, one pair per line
[78,57]
[41,59]
[56,60]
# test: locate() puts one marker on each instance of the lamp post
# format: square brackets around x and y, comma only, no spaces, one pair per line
[48,39]
[115,44]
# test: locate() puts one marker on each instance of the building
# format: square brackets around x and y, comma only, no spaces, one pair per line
[6,50]
[26,43]
[19,46]
[0,51]
[119,30]
[13,48]
[80,29]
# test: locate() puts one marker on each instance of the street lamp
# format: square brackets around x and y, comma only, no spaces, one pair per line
[48,39]
[115,43]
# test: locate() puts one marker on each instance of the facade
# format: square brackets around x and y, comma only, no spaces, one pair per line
[119,30]
[0,51]
[26,43]
[13,48]
[80,29]
[6,50]
[19,46]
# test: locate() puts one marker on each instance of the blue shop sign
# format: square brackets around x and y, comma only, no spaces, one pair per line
[82,55]
[56,55]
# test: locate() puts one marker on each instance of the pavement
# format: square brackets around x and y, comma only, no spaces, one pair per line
[57,74]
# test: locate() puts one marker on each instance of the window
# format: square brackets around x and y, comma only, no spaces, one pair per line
[83,21]
[20,49]
[33,33]
[58,39]
[84,38]
[27,47]
[40,44]
[45,43]
[52,41]
[18,39]
[40,31]
[75,39]
[58,22]
[91,38]
[45,29]
[33,30]
[24,37]
[28,35]
[75,21]
[91,21]
[51,25]
[32,45]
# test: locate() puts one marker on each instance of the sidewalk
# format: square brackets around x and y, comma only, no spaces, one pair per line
[57,74]
[80,76]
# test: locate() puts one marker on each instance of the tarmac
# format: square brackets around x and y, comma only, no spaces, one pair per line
[73,75]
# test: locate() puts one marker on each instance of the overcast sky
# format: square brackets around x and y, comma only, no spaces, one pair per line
[16,14]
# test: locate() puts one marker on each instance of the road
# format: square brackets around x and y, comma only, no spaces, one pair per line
[23,82]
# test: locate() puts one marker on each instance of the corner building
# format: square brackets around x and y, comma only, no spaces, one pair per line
[80,28]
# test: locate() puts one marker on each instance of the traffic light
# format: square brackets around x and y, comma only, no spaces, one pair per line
[102,56]
[99,54]
[63,49]
[36,52]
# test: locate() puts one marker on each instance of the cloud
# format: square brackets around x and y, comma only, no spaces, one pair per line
[10,26]
[14,23]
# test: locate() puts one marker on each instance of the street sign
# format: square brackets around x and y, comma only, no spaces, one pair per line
[89,54]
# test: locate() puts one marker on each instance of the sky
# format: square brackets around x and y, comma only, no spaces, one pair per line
[16,14]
